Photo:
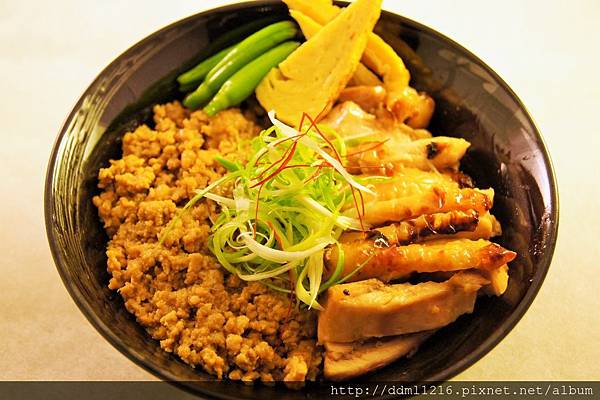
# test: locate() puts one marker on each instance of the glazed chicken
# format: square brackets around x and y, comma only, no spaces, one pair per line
[436,200]
[453,224]
[351,120]
[439,152]
[397,262]
[427,221]
[370,308]
[348,360]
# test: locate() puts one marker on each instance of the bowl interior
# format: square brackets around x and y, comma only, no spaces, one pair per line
[507,154]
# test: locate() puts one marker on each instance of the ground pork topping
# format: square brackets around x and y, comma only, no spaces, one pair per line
[177,290]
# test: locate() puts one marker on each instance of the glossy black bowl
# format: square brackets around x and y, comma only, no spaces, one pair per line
[507,154]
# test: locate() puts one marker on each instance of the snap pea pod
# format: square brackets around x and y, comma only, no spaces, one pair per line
[190,80]
[241,54]
[241,85]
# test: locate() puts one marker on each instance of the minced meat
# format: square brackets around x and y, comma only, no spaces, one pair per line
[177,290]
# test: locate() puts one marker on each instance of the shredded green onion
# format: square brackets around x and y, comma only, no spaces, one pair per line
[229,165]
[285,210]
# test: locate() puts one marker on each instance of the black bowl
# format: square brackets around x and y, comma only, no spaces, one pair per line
[507,154]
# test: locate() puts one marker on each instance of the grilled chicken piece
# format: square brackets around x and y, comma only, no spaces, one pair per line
[355,124]
[440,152]
[415,108]
[369,98]
[463,180]
[415,229]
[498,280]
[460,224]
[370,308]
[348,360]
[410,182]
[454,224]
[437,200]
[395,262]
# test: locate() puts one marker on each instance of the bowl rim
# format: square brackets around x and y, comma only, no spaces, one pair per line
[446,373]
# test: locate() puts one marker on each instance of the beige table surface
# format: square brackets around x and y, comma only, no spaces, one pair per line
[50,51]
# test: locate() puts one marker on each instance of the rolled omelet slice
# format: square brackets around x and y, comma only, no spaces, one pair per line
[309,27]
[312,77]
[408,105]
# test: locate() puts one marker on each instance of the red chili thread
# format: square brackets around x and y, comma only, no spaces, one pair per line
[318,117]
[302,121]
[283,156]
[275,163]
[368,148]
[277,237]
[362,227]
[317,172]
[358,210]
[287,159]
[329,143]
[362,203]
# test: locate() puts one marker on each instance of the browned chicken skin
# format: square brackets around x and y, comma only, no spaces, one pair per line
[396,262]
[440,152]
[436,200]
[461,224]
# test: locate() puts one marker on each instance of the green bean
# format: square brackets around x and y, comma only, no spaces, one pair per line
[232,37]
[191,79]
[241,85]
[241,54]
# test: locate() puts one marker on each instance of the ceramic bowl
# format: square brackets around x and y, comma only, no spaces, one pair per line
[473,102]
